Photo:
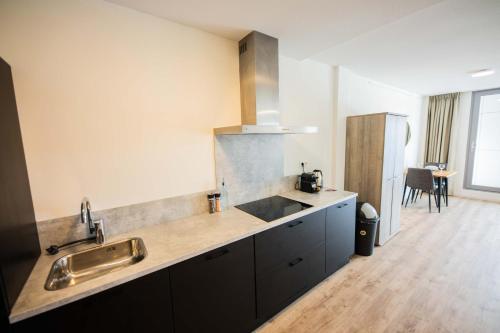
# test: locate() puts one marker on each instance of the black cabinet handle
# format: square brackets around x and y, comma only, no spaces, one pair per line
[342,205]
[217,254]
[291,225]
[295,262]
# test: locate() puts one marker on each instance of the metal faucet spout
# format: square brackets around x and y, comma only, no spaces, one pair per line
[95,226]
[100,234]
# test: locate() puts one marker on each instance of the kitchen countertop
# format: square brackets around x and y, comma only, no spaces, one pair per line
[167,244]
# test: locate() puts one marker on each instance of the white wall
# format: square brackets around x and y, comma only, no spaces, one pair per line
[458,152]
[119,106]
[358,95]
[423,133]
[306,98]
[115,104]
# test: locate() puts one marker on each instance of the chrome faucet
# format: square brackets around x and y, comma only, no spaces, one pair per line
[95,226]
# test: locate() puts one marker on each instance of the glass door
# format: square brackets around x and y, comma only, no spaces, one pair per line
[483,160]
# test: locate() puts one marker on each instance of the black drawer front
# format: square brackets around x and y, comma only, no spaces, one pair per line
[285,242]
[141,305]
[215,291]
[281,286]
[340,234]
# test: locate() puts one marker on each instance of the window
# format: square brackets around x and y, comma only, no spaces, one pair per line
[483,157]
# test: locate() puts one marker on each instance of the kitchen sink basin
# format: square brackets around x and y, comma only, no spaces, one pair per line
[82,266]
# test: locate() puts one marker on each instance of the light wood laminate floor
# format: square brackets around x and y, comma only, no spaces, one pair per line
[441,273]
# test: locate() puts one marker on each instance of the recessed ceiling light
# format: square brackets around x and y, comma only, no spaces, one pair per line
[482,72]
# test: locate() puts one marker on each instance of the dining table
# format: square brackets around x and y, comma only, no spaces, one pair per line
[440,175]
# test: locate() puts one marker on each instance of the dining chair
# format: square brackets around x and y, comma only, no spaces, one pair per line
[444,183]
[418,193]
[420,179]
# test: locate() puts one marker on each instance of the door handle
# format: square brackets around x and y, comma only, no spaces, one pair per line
[295,262]
[291,225]
[217,254]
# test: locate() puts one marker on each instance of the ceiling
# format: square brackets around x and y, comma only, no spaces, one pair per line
[429,52]
[423,46]
[304,27]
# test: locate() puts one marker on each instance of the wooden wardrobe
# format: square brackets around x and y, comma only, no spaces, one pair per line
[374,166]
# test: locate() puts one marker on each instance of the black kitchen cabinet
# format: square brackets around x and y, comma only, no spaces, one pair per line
[141,305]
[288,281]
[287,241]
[290,259]
[234,288]
[215,291]
[19,246]
[340,234]
[4,314]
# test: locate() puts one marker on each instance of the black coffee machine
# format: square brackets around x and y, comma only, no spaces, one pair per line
[310,182]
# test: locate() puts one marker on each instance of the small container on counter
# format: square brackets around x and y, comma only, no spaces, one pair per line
[224,196]
[218,207]
[211,203]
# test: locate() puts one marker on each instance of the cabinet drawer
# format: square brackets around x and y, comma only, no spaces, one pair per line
[283,243]
[281,286]
[215,291]
[141,305]
[340,234]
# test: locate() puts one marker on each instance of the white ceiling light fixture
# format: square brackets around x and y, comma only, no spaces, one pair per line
[482,72]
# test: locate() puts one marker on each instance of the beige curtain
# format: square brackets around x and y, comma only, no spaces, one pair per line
[442,109]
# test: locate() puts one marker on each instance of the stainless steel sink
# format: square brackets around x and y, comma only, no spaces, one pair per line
[82,266]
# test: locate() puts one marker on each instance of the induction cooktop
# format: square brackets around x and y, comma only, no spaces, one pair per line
[273,208]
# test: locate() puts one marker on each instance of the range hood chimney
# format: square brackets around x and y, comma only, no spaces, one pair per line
[259,89]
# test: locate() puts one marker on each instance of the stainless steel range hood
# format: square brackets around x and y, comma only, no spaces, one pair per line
[259,89]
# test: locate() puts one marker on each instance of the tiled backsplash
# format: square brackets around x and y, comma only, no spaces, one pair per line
[122,219]
[252,166]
